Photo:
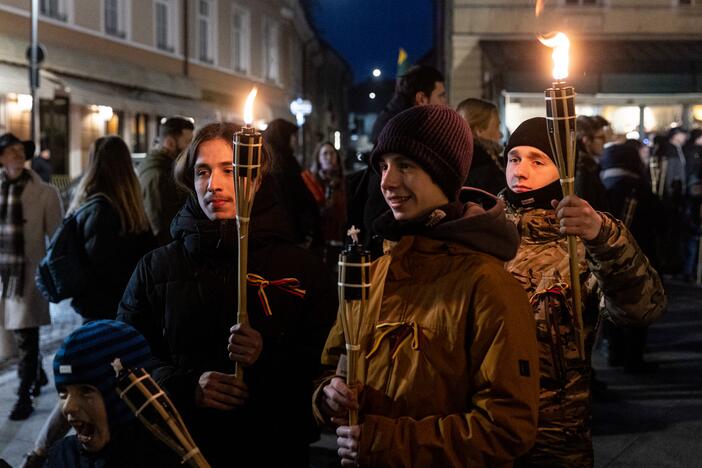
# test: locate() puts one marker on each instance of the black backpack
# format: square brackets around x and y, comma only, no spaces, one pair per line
[61,273]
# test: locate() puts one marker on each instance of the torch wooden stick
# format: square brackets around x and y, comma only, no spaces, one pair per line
[247,163]
[156,411]
[354,288]
[560,112]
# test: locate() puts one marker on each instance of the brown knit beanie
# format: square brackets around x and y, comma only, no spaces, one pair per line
[532,132]
[435,137]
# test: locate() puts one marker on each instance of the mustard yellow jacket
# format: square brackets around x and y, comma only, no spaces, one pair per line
[450,374]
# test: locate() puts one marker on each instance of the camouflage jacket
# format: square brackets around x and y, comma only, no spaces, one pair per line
[612,268]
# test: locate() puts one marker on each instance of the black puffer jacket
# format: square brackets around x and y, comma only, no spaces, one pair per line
[182,298]
[110,259]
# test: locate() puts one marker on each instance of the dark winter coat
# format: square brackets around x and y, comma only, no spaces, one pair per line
[131,446]
[487,170]
[110,259]
[297,203]
[646,222]
[183,299]
[162,196]
[588,185]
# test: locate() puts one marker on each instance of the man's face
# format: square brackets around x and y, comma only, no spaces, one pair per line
[679,138]
[595,143]
[437,96]
[12,158]
[84,409]
[407,188]
[184,140]
[214,179]
[529,169]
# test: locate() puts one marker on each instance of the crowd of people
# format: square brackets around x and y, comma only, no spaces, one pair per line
[472,350]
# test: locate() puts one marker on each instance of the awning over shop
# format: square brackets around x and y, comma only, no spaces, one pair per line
[15,79]
[597,66]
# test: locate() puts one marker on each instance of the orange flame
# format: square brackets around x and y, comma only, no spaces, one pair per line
[248,107]
[561,45]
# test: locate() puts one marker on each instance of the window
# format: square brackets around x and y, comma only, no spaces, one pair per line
[56,9]
[241,40]
[206,34]
[165,14]
[116,18]
[271,50]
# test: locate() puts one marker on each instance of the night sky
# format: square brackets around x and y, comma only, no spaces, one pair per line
[369,33]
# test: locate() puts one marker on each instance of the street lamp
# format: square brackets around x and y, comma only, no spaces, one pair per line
[376,72]
[371,95]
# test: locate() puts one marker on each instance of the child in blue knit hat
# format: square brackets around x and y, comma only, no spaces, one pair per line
[106,431]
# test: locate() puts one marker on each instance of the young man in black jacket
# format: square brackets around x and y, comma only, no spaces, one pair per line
[183,299]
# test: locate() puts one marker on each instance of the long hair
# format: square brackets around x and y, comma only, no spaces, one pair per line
[110,173]
[184,170]
[477,113]
[317,166]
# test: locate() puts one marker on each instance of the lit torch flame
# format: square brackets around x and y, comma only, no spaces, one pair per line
[561,45]
[248,107]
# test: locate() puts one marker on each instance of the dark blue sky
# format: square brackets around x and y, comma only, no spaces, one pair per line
[369,33]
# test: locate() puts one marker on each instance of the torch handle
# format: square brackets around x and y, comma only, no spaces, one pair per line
[242,315]
[351,364]
[575,288]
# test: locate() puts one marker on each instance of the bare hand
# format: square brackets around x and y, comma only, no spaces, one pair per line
[347,439]
[245,344]
[220,391]
[339,398]
[577,217]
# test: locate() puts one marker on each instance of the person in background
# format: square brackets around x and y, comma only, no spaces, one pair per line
[591,138]
[30,212]
[422,85]
[41,164]
[328,188]
[107,432]
[487,171]
[298,203]
[611,265]
[448,354]
[183,298]
[632,201]
[116,234]
[162,197]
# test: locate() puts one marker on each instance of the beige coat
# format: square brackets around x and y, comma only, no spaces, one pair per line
[41,206]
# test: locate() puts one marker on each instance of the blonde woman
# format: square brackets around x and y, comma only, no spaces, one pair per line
[487,170]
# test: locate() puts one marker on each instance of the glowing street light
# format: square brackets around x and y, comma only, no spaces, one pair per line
[371,95]
[376,72]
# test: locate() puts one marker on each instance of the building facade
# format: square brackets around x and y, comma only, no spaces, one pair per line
[119,66]
[637,62]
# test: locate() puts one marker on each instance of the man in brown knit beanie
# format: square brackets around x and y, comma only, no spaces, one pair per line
[448,374]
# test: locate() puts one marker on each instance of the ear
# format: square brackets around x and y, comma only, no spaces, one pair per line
[421,99]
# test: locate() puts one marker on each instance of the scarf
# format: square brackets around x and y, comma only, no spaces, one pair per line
[12,234]
[539,198]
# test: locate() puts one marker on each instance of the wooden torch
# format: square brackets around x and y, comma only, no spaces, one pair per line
[247,144]
[155,410]
[560,119]
[354,289]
